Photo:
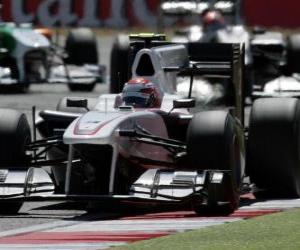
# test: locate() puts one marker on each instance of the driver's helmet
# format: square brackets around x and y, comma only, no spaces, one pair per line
[141,93]
[212,20]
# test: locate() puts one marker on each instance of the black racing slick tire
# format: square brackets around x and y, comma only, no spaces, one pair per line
[293,54]
[119,64]
[14,136]
[215,141]
[273,155]
[81,47]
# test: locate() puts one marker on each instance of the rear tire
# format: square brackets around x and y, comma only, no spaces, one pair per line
[214,141]
[14,136]
[81,47]
[293,54]
[273,159]
[119,64]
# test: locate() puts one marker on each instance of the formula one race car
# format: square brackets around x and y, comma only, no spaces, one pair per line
[269,54]
[28,56]
[149,144]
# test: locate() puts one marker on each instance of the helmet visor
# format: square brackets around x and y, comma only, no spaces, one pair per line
[136,101]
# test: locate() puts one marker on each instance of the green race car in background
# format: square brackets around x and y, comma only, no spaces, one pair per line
[28,56]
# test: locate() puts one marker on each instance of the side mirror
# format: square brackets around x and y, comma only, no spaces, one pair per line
[77,103]
[184,103]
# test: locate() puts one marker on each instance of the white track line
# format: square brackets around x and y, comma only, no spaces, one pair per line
[78,246]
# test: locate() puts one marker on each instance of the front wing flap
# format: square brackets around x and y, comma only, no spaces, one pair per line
[154,186]
[21,183]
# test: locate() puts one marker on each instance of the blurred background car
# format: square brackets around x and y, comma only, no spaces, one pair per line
[30,55]
[268,54]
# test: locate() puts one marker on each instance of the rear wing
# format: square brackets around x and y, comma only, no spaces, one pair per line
[215,60]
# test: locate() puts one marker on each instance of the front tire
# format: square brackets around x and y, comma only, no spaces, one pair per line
[14,136]
[215,141]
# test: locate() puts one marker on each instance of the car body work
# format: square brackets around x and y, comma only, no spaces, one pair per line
[28,56]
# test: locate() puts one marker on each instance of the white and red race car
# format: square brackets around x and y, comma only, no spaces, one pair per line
[149,144]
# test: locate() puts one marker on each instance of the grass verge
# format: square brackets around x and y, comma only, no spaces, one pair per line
[275,231]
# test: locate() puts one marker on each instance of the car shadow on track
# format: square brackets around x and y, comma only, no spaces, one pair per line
[117,210]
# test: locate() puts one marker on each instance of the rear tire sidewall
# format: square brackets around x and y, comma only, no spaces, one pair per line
[273,159]
[119,63]
[293,54]
[81,47]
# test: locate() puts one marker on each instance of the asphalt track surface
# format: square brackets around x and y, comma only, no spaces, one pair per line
[52,225]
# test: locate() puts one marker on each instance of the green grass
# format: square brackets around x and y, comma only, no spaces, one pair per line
[275,231]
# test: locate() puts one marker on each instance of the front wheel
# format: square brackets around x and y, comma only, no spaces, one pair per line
[215,141]
[14,136]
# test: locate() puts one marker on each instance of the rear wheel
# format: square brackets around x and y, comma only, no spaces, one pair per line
[293,54]
[215,141]
[14,136]
[273,159]
[81,47]
[119,64]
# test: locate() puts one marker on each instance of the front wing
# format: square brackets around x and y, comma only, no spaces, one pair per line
[154,186]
